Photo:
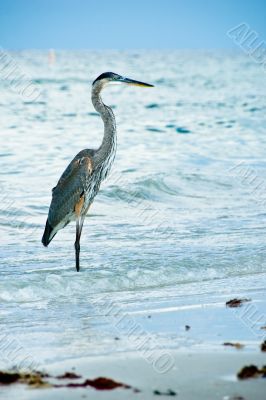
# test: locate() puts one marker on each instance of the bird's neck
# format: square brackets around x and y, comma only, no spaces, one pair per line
[108,146]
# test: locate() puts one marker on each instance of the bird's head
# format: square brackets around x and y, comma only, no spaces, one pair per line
[110,78]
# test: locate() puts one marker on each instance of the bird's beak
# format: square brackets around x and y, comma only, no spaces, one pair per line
[135,83]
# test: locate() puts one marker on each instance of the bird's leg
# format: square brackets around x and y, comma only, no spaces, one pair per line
[79,225]
[77,245]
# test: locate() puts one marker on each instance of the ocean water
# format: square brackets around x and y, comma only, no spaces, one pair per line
[180,220]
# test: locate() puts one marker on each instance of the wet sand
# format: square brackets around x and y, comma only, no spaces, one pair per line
[200,367]
[207,376]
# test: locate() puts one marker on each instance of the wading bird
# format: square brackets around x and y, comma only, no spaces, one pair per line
[80,182]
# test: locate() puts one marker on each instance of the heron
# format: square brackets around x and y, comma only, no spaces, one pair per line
[81,180]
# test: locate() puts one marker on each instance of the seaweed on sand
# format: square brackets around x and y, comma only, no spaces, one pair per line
[36,379]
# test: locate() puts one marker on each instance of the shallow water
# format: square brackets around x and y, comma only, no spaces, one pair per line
[183,211]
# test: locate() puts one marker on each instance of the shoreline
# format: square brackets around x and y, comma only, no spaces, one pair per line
[192,333]
[202,375]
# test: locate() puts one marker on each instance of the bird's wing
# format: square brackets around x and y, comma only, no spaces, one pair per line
[69,189]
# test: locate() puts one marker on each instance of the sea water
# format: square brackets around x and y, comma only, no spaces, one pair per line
[180,220]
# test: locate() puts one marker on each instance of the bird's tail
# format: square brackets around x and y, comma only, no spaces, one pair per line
[48,234]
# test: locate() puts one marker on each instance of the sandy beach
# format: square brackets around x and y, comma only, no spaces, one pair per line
[205,375]
[199,365]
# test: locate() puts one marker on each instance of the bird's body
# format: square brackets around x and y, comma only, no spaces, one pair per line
[80,182]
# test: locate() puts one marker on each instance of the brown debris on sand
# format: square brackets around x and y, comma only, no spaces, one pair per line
[68,375]
[35,379]
[263,346]
[169,392]
[8,377]
[236,302]
[100,383]
[252,371]
[236,345]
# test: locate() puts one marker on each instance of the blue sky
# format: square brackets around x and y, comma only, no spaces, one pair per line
[117,24]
